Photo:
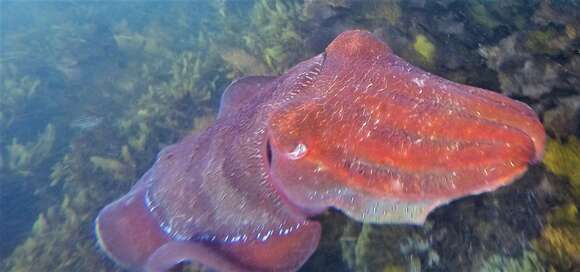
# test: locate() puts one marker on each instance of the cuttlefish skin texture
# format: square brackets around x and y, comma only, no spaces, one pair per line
[355,128]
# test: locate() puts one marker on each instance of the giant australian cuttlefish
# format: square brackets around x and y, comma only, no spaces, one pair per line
[355,128]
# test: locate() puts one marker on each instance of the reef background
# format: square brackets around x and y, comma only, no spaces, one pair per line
[91,91]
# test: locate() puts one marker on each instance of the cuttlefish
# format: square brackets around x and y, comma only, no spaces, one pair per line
[356,128]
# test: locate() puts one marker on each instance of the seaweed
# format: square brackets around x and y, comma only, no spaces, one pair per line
[425,48]
[563,158]
[481,15]
[559,241]
[122,169]
[24,159]
[15,89]
[528,261]
[549,40]
[378,12]
[273,34]
[386,248]
[162,93]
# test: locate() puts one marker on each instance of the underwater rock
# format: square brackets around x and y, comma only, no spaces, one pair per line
[319,10]
[562,13]
[563,120]
[540,64]
[236,197]
[451,25]
[520,74]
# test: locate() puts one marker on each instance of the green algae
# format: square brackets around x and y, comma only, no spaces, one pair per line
[570,31]
[379,12]
[40,225]
[161,93]
[120,168]
[385,248]
[394,268]
[480,14]
[273,34]
[15,89]
[538,40]
[559,241]
[561,245]
[527,262]
[110,166]
[548,41]
[391,12]
[57,242]
[139,140]
[25,158]
[563,158]
[106,164]
[425,48]
[243,63]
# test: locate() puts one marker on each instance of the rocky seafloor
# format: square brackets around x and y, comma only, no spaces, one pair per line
[90,92]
